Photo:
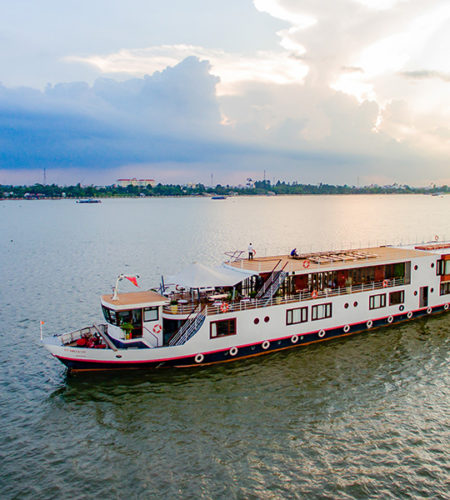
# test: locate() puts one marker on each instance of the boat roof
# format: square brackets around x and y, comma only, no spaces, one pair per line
[331,260]
[135,299]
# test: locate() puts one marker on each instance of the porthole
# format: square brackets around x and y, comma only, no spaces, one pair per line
[346,305]
[432,290]
[432,265]
[416,267]
[256,321]
[415,293]
[355,304]
[266,319]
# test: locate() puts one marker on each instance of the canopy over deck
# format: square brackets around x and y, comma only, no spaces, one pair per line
[198,275]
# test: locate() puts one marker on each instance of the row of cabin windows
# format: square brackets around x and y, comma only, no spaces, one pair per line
[379,300]
[133,316]
[322,311]
[300,314]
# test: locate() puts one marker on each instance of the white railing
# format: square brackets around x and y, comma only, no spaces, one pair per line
[68,338]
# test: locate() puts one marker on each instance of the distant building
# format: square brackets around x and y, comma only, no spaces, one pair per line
[136,182]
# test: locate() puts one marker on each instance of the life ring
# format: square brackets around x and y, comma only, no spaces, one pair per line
[306,264]
[321,333]
[346,328]
[390,319]
[409,314]
[254,252]
[369,324]
[179,288]
[266,344]
[224,307]
[314,294]
[294,339]
[402,307]
[233,351]
[199,358]
[436,238]
[385,283]
[446,306]
[157,328]
[429,310]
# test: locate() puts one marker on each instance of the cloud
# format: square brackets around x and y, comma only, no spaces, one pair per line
[424,74]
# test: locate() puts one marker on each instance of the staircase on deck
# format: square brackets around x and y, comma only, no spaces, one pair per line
[189,328]
[273,282]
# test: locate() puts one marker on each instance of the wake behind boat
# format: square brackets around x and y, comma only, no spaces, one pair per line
[248,307]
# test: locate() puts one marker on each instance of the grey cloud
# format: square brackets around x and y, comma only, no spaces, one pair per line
[425,75]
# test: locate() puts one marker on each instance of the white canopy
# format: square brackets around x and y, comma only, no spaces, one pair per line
[200,276]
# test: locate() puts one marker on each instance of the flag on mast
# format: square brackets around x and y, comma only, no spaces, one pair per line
[132,279]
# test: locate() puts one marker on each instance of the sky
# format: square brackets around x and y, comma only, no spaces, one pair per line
[335,91]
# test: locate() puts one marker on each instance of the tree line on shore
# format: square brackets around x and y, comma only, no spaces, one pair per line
[259,188]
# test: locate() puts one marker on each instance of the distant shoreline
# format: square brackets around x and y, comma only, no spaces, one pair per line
[257,188]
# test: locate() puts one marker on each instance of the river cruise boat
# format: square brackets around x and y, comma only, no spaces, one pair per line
[248,307]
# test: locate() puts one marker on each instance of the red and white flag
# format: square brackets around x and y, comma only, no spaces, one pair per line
[132,279]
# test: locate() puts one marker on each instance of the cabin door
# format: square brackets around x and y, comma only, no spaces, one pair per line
[423,296]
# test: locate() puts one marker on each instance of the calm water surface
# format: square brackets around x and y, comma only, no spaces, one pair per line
[364,417]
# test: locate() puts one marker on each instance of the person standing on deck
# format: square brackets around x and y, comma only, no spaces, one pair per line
[251,252]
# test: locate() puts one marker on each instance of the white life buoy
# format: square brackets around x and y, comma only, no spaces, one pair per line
[429,310]
[346,328]
[233,351]
[294,339]
[446,306]
[390,319]
[409,314]
[157,328]
[369,324]
[266,344]
[321,333]
[199,358]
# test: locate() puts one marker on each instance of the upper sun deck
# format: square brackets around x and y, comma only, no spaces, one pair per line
[136,299]
[328,261]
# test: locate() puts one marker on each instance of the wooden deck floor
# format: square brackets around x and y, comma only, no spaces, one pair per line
[323,261]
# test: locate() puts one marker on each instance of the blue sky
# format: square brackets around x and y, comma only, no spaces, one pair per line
[338,91]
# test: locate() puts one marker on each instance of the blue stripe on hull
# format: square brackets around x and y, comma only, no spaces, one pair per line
[250,350]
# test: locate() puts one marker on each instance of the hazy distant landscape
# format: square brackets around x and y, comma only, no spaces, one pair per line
[39,191]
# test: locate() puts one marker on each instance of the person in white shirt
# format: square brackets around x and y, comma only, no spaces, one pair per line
[251,252]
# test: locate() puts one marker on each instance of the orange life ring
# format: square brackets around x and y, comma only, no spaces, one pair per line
[306,264]
[157,328]
[385,283]
[224,307]
[179,288]
[314,294]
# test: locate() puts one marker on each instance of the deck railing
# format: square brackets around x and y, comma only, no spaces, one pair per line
[248,303]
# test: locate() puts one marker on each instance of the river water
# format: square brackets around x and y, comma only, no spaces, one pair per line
[361,417]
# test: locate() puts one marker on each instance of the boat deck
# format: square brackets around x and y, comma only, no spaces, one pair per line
[308,262]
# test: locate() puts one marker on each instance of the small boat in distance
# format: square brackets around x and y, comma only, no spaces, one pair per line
[248,307]
[90,200]
[220,197]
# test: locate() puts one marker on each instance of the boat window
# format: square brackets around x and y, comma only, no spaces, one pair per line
[443,267]
[106,314]
[445,288]
[377,301]
[222,328]
[298,315]
[321,311]
[396,298]
[151,314]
